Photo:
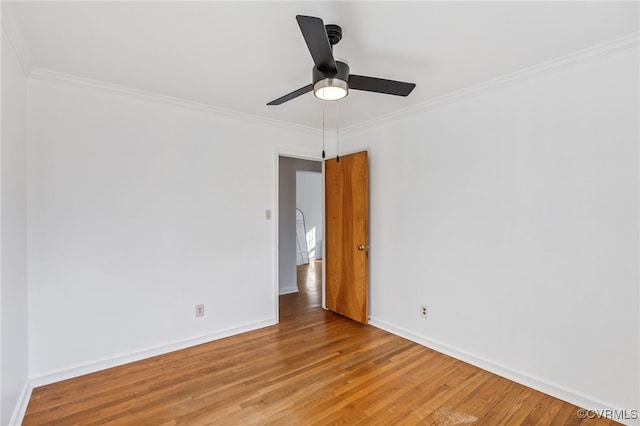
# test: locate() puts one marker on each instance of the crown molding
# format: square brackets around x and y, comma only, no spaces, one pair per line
[14,35]
[55,77]
[621,44]
[627,42]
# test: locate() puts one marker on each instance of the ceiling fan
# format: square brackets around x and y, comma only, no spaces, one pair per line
[330,77]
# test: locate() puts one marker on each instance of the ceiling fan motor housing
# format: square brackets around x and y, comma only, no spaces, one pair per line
[342,74]
[329,85]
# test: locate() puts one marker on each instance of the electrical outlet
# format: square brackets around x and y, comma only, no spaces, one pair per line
[424,311]
[199,310]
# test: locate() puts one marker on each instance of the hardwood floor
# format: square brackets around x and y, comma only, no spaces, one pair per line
[314,367]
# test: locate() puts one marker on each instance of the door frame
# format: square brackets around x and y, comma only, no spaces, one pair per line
[275,214]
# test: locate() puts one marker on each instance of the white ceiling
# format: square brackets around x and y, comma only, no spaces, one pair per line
[241,55]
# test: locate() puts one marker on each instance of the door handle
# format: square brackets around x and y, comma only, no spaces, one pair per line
[363,247]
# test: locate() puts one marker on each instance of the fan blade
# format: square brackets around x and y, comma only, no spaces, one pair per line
[315,35]
[292,95]
[380,85]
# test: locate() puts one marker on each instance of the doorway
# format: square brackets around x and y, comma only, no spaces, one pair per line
[300,224]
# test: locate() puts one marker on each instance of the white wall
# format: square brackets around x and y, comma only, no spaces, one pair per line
[309,197]
[287,279]
[287,270]
[13,231]
[513,214]
[138,211]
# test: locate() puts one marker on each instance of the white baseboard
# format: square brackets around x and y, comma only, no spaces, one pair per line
[92,367]
[556,391]
[21,405]
[288,290]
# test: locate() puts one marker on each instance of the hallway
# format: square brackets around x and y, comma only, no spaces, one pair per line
[309,296]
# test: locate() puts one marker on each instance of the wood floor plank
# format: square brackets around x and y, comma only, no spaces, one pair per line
[314,367]
[524,404]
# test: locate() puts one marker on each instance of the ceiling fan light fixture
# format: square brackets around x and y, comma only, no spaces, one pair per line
[330,76]
[330,89]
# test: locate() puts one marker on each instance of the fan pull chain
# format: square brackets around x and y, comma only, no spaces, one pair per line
[337,132]
[323,131]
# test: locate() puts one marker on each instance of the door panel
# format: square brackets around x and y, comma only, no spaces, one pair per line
[346,235]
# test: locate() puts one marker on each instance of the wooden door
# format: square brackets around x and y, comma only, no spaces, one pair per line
[347,235]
